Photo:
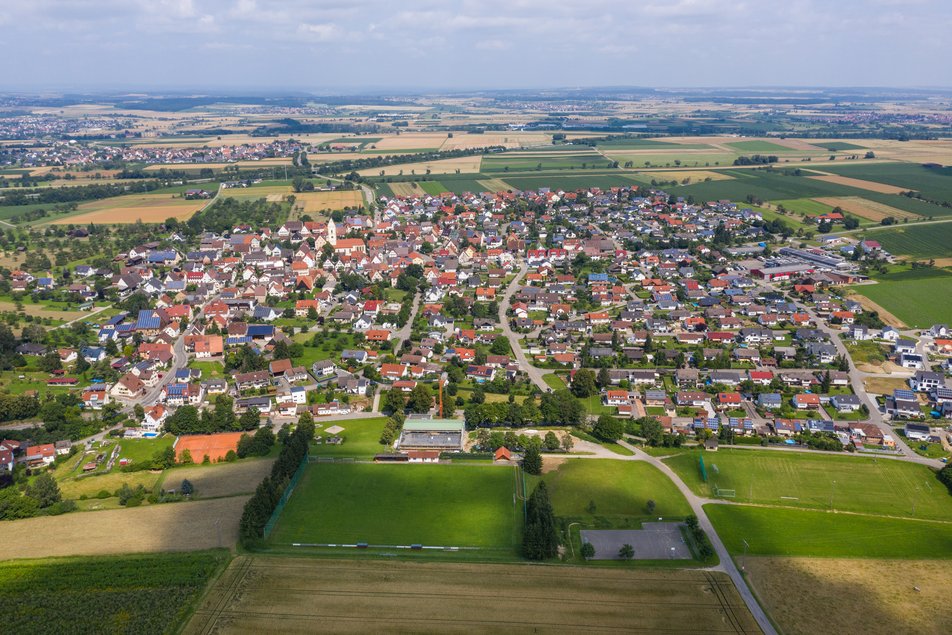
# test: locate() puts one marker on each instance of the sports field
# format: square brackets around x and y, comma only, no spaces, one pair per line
[896,595]
[772,531]
[381,504]
[799,479]
[214,446]
[148,208]
[361,437]
[919,298]
[294,595]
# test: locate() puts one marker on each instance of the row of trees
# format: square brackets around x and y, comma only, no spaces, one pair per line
[540,540]
[259,507]
[40,498]
[556,408]
[221,418]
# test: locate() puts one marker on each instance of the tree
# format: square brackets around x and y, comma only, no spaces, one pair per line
[825,384]
[500,346]
[550,442]
[567,442]
[650,506]
[421,398]
[45,490]
[186,487]
[187,456]
[583,384]
[608,428]
[249,419]
[652,431]
[138,411]
[627,552]
[532,460]
[588,550]
[393,401]
[540,538]
[604,380]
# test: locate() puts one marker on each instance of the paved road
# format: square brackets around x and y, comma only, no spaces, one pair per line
[535,375]
[404,332]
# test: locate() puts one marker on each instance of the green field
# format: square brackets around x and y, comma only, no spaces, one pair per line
[444,505]
[804,480]
[569,182]
[933,183]
[361,437]
[507,163]
[805,206]
[928,241]
[919,298]
[790,532]
[128,594]
[618,489]
[433,187]
[836,146]
[758,146]
[649,144]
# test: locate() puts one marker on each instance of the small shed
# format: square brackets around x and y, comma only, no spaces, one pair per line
[502,454]
[711,444]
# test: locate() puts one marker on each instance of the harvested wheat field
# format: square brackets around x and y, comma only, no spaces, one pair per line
[221,479]
[148,208]
[443,166]
[303,595]
[865,208]
[312,202]
[872,186]
[461,140]
[858,596]
[695,175]
[410,141]
[170,527]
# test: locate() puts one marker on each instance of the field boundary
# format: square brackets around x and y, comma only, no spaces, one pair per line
[272,521]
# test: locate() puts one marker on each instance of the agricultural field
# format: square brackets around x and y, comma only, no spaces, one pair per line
[570,183]
[186,526]
[803,480]
[528,162]
[140,594]
[919,298]
[805,206]
[693,175]
[271,191]
[467,165]
[933,183]
[619,490]
[315,202]
[896,595]
[221,479]
[872,186]
[376,595]
[797,532]
[759,146]
[650,144]
[865,208]
[444,505]
[928,241]
[148,208]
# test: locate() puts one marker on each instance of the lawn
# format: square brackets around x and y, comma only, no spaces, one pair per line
[361,437]
[554,381]
[792,532]
[617,488]
[804,480]
[209,369]
[919,298]
[127,594]
[449,505]
[141,450]
[865,351]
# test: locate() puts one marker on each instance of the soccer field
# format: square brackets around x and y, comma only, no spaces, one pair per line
[380,504]
[875,486]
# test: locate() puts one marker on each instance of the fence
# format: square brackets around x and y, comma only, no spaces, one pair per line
[284,497]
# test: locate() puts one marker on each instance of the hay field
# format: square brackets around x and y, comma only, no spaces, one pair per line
[222,479]
[859,596]
[41,310]
[257,191]
[865,208]
[313,202]
[444,166]
[218,166]
[411,141]
[861,184]
[293,595]
[170,527]
[495,185]
[149,208]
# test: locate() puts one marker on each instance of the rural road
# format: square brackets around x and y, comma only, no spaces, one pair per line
[535,375]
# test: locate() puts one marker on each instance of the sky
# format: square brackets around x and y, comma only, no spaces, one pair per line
[365,45]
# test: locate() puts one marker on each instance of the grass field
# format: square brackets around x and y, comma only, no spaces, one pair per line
[467,164]
[569,183]
[618,489]
[361,437]
[130,594]
[928,241]
[516,162]
[170,527]
[220,479]
[649,144]
[805,206]
[865,208]
[797,532]
[896,595]
[804,480]
[149,208]
[837,146]
[919,298]
[448,505]
[300,595]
